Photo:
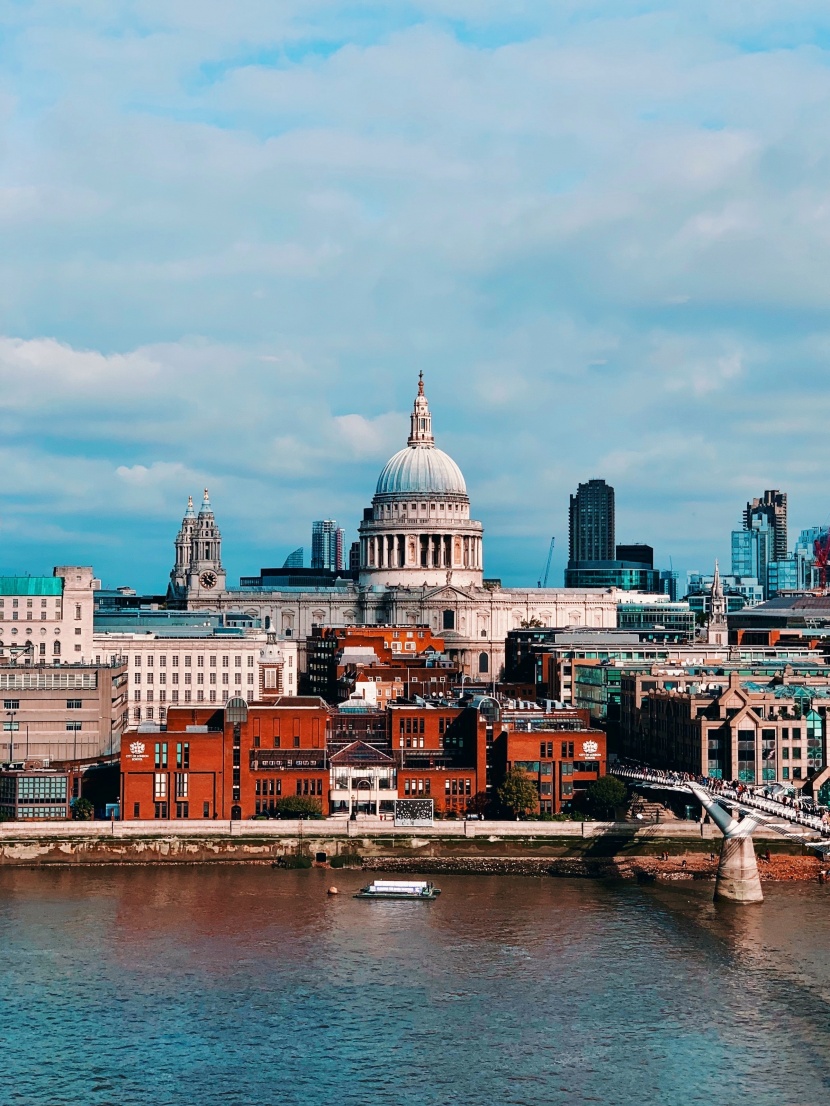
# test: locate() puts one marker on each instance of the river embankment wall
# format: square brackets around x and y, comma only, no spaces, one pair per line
[564,848]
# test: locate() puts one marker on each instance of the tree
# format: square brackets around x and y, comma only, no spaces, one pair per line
[518,793]
[83,810]
[606,794]
[299,806]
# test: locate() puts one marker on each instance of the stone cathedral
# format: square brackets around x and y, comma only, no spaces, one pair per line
[421,563]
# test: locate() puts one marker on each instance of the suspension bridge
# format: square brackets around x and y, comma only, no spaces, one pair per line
[737,814]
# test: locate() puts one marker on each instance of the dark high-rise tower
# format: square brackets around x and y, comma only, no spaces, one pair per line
[773,507]
[592,522]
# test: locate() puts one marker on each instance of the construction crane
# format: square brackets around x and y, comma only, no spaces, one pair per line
[543,583]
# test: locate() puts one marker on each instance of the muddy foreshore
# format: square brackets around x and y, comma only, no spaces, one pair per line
[778,869]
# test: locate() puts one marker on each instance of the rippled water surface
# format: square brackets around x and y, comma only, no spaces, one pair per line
[193,986]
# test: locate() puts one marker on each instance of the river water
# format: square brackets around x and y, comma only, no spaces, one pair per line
[194,986]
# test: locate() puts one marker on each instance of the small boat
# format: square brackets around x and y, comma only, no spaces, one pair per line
[399,889]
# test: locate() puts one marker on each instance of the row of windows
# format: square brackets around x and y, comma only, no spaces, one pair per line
[150,712]
[268,787]
[309,787]
[174,696]
[41,789]
[29,602]
[188,660]
[188,679]
[182,810]
[417,786]
[458,787]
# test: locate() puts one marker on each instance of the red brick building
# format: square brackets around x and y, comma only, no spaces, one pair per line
[335,655]
[234,762]
[441,753]
[559,751]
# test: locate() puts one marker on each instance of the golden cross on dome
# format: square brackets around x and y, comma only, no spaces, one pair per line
[421,382]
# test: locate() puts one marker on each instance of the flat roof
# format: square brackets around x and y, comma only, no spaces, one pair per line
[31,585]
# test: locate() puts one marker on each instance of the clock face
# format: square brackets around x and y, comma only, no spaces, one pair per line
[208,579]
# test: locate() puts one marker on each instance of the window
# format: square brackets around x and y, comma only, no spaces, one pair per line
[183,754]
[73,727]
[11,704]
[181,785]
[161,810]
[160,785]
[74,704]
[237,662]
[161,754]
[206,809]
[448,620]
[187,661]
[182,810]
[200,660]
[136,810]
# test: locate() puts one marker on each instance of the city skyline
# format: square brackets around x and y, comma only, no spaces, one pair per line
[598,232]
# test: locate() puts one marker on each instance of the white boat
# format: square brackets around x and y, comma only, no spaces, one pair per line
[399,889]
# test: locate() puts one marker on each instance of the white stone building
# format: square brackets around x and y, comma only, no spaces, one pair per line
[48,619]
[199,670]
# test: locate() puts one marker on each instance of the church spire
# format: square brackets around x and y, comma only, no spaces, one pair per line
[420,419]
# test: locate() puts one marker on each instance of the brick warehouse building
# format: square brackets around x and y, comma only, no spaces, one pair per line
[240,760]
[233,762]
[560,751]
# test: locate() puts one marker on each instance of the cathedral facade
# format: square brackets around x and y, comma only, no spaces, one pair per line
[421,563]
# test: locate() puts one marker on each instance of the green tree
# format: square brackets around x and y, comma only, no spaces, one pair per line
[83,810]
[606,794]
[299,806]
[518,793]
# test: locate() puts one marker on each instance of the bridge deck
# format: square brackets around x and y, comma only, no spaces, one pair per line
[783,819]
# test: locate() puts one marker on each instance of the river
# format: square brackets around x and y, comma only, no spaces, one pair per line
[243,985]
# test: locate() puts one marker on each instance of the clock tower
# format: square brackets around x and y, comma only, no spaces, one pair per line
[198,570]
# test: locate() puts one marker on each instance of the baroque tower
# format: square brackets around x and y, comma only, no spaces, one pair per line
[198,569]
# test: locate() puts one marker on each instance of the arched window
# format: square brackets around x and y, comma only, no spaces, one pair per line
[483,662]
[57,649]
[449,620]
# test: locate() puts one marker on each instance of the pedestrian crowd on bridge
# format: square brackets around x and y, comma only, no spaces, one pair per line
[787,807]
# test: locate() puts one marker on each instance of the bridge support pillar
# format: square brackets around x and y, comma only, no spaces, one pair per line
[737,878]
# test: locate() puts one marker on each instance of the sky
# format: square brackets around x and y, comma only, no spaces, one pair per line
[232,234]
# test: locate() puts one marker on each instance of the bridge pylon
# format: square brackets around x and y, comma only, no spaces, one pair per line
[737,879]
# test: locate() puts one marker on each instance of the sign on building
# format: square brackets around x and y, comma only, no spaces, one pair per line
[413,812]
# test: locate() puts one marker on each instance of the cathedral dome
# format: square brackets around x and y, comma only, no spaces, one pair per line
[421,470]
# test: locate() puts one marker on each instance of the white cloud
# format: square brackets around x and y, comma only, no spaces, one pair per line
[232,234]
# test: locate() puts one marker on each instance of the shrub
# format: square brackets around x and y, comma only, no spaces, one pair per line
[346,860]
[299,806]
[294,861]
[83,810]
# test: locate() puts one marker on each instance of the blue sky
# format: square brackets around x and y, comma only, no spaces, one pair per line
[231,235]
